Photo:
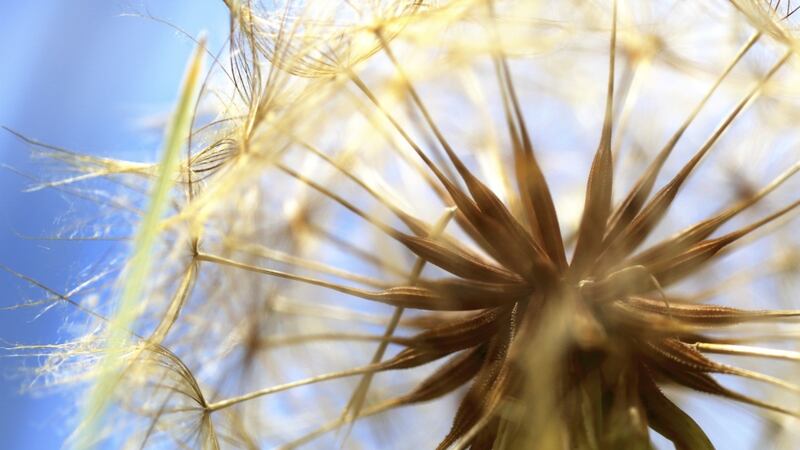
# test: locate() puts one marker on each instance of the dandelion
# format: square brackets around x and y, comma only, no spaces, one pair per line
[377,241]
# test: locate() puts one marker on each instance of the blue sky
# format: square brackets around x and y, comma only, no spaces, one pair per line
[82,75]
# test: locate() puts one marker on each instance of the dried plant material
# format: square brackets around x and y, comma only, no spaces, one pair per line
[141,262]
[387,239]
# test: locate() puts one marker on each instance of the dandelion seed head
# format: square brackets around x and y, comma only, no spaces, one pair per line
[501,224]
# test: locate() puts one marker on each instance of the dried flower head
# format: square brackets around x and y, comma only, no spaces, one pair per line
[422,158]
